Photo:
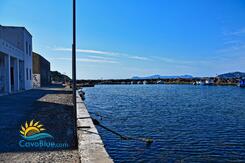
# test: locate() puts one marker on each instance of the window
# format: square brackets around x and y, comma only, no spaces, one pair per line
[30,50]
[26,47]
[30,75]
[26,73]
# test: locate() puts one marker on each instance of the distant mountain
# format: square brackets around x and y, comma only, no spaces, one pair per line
[163,77]
[58,77]
[232,75]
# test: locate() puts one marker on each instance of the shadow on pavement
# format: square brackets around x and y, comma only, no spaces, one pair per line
[58,119]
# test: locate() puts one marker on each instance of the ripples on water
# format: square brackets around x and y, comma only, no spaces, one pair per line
[188,123]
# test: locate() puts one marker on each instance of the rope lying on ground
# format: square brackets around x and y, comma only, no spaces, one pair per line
[146,140]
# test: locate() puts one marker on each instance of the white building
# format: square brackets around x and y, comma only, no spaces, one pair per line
[15,59]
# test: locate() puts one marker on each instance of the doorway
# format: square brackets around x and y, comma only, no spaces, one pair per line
[12,78]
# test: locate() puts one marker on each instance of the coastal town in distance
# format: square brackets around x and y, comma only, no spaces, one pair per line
[122,81]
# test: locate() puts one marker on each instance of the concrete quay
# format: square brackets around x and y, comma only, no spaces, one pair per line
[90,146]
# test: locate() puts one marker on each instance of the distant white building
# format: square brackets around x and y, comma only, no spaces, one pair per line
[15,59]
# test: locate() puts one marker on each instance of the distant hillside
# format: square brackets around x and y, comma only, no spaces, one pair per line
[58,77]
[163,77]
[232,75]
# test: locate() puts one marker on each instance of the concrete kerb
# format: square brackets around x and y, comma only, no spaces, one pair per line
[90,144]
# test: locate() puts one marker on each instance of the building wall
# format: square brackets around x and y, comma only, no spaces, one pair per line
[36,81]
[21,75]
[36,70]
[16,49]
[2,74]
[28,60]
[41,70]
[13,36]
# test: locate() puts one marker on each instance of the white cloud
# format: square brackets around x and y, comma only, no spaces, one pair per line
[96,60]
[174,61]
[232,48]
[113,57]
[87,60]
[139,58]
[234,42]
[238,32]
[89,51]
[99,57]
[106,53]
[164,59]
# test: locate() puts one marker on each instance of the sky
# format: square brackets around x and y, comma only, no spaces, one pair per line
[126,38]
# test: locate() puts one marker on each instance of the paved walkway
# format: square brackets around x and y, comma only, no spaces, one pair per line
[53,108]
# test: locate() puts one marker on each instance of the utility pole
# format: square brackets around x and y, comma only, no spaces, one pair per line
[74,87]
[74,80]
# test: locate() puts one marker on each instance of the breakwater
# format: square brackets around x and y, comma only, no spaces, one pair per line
[215,81]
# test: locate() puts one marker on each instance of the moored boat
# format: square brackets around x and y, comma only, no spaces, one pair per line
[198,83]
[209,82]
[242,83]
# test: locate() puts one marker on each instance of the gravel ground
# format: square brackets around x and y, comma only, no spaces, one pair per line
[53,108]
[64,156]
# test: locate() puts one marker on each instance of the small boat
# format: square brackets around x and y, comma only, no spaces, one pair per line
[198,83]
[160,82]
[145,82]
[242,83]
[81,93]
[209,82]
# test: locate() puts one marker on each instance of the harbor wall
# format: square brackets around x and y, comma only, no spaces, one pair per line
[90,145]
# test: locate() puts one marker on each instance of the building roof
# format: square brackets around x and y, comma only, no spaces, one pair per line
[17,27]
[34,53]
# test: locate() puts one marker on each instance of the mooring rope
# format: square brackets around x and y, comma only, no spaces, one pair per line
[97,114]
[96,122]
[146,140]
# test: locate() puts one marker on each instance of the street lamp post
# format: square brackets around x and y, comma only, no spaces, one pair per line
[74,56]
[74,86]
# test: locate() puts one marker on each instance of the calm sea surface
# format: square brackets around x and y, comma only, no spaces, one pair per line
[187,123]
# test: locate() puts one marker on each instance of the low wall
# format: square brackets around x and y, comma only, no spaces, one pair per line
[90,145]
